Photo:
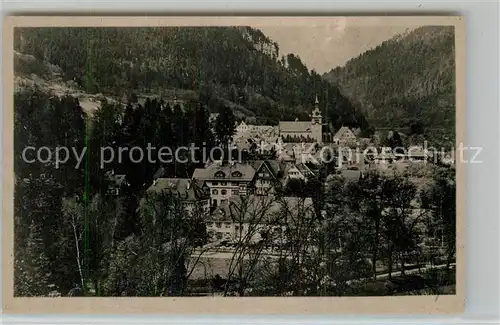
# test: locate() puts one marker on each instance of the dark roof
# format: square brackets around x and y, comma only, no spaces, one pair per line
[272,165]
[184,188]
[295,126]
[226,171]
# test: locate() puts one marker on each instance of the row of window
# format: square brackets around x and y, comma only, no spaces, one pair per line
[224,192]
[225,183]
[227,225]
[221,174]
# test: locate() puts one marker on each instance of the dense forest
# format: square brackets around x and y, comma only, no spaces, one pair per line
[406,81]
[61,210]
[238,67]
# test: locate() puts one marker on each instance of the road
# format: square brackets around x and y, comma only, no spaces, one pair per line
[226,254]
[407,272]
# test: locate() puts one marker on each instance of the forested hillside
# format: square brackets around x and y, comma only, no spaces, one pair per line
[408,80]
[237,67]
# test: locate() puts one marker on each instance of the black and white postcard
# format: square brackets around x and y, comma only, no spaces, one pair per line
[249,165]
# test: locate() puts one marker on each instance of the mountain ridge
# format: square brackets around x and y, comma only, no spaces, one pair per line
[238,67]
[408,79]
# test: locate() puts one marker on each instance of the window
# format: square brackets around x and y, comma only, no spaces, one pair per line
[218,235]
[220,174]
[215,192]
[223,192]
[223,183]
[236,174]
[227,225]
[237,228]
[215,183]
[235,192]
[218,224]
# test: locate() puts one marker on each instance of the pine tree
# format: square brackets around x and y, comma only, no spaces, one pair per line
[225,125]
[31,275]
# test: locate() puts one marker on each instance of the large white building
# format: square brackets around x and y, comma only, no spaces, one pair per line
[312,130]
[247,218]
[226,180]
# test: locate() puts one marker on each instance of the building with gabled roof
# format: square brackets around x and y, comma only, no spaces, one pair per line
[308,130]
[344,137]
[246,218]
[189,191]
[297,171]
[225,180]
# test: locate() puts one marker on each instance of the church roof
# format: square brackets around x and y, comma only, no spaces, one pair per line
[295,126]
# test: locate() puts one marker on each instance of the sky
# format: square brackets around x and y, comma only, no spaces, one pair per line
[325,46]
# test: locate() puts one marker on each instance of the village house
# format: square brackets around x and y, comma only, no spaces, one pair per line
[242,128]
[253,217]
[297,171]
[267,173]
[225,179]
[116,182]
[345,137]
[188,191]
[312,130]
[228,179]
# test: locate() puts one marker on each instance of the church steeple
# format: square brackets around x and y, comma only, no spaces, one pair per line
[316,114]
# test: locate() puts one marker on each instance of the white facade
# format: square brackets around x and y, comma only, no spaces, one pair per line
[312,130]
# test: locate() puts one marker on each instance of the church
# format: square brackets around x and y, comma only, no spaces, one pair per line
[311,130]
